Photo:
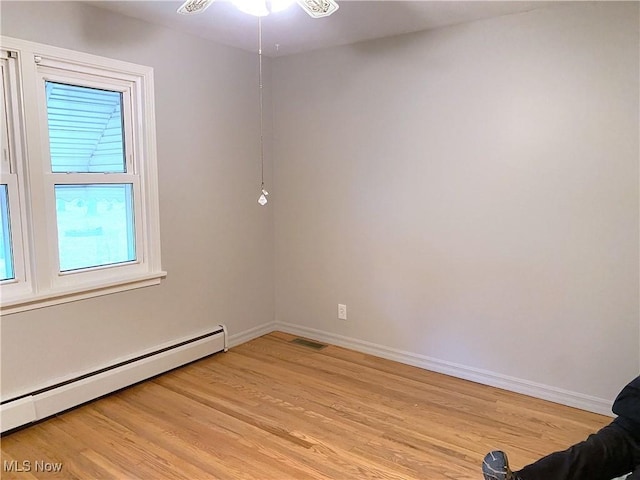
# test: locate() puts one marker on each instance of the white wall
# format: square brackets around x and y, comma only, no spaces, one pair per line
[470,193]
[216,240]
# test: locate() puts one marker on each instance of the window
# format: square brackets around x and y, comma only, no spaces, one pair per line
[80,210]
[6,254]
[12,268]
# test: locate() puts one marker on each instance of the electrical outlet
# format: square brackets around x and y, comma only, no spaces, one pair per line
[342,312]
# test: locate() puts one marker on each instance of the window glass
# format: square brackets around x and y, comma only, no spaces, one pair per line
[85,129]
[6,254]
[95,225]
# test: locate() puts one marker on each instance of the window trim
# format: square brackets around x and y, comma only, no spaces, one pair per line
[10,172]
[35,181]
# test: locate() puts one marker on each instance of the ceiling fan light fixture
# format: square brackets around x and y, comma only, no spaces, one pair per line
[262,8]
[257,8]
[280,5]
[194,6]
[318,8]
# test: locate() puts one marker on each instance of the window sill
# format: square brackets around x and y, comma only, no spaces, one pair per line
[27,302]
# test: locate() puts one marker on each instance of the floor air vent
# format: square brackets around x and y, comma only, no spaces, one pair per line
[308,343]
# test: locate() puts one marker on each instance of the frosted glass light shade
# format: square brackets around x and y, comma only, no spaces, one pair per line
[257,8]
[262,8]
[279,5]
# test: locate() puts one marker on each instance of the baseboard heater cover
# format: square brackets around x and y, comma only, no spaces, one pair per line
[43,403]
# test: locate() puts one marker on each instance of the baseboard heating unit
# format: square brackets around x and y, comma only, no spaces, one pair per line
[45,402]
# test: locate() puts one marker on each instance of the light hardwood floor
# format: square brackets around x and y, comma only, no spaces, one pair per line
[270,409]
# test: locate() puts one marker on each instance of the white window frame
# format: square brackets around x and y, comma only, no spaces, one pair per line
[11,169]
[42,283]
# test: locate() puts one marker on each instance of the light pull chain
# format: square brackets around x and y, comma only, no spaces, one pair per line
[262,199]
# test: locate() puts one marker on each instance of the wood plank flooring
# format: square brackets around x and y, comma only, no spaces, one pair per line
[270,409]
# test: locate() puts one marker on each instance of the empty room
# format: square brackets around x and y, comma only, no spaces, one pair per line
[320,239]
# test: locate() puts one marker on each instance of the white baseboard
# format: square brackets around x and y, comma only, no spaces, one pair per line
[537,390]
[243,337]
[41,404]
[45,402]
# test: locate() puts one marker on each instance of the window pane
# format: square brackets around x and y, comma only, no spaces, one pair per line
[6,255]
[85,129]
[95,225]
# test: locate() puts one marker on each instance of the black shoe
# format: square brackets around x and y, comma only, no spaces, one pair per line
[496,467]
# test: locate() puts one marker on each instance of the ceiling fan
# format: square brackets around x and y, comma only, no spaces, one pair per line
[261,8]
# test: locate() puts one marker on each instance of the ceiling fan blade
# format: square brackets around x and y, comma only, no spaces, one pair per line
[194,6]
[318,8]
